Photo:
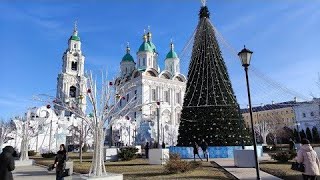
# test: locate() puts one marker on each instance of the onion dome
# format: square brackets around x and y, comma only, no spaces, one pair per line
[75,36]
[147,45]
[127,57]
[171,53]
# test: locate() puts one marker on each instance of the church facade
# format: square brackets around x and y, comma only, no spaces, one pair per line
[158,92]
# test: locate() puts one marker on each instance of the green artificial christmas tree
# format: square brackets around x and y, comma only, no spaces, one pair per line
[210,109]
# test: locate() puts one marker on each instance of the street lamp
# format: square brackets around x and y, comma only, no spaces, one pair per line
[245,57]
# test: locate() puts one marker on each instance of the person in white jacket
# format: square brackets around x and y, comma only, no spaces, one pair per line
[309,158]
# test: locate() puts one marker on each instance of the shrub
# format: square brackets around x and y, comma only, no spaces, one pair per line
[48,155]
[282,156]
[176,165]
[127,153]
[32,153]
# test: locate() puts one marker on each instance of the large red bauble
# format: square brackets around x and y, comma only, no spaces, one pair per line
[48,106]
[89,91]
[158,103]
[110,83]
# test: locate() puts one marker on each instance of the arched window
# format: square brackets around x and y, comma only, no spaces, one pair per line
[72,92]
[144,62]
[75,46]
[74,66]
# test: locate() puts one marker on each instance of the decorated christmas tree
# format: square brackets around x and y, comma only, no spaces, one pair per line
[210,109]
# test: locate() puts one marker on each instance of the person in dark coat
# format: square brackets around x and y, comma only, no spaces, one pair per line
[7,163]
[204,147]
[146,149]
[59,162]
[195,151]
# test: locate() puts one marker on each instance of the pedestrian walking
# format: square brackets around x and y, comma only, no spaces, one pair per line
[196,151]
[7,163]
[204,147]
[309,158]
[60,162]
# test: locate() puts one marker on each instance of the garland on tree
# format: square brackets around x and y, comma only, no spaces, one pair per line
[210,109]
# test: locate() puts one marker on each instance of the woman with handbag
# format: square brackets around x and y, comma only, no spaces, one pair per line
[309,158]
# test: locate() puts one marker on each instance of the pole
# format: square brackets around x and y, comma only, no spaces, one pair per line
[129,134]
[252,129]
[241,127]
[158,126]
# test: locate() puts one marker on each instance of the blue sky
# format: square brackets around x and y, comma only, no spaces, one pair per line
[33,36]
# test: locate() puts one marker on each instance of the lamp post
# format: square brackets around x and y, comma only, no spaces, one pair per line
[245,57]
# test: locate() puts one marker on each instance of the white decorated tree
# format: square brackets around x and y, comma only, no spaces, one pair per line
[5,129]
[27,127]
[105,107]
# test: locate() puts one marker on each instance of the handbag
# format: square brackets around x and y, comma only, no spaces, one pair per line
[65,173]
[297,166]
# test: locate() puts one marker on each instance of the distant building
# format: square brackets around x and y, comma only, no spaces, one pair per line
[278,113]
[308,114]
[149,85]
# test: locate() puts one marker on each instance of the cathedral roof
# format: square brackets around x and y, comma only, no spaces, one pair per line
[75,38]
[171,53]
[127,57]
[147,45]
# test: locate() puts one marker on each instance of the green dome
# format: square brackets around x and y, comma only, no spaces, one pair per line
[75,38]
[128,58]
[145,46]
[171,54]
[153,47]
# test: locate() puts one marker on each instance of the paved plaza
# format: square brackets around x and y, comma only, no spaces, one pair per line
[37,173]
[41,173]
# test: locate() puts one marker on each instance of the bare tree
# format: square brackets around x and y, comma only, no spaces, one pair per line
[105,107]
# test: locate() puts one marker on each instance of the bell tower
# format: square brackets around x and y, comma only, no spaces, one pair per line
[71,85]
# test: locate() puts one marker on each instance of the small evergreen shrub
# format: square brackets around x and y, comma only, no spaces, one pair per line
[127,153]
[176,165]
[32,153]
[48,155]
[282,156]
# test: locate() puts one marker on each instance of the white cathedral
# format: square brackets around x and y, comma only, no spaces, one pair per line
[153,89]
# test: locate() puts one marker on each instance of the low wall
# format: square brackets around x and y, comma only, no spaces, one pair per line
[214,151]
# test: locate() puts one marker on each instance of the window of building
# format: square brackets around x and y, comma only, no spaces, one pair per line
[75,46]
[120,102]
[303,114]
[178,98]
[153,94]
[287,112]
[128,96]
[74,66]
[166,96]
[144,62]
[72,92]
[135,94]
[311,114]
[135,114]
